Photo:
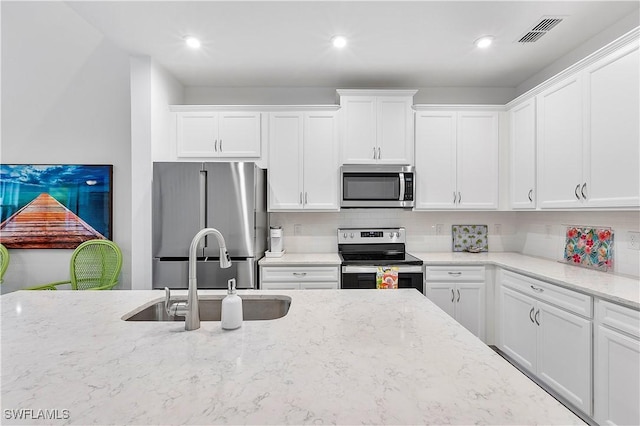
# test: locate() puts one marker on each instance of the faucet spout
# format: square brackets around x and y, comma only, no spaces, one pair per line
[192,316]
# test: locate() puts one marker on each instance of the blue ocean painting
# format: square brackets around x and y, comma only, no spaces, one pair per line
[39,204]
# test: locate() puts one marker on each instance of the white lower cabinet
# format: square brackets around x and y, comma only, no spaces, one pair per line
[616,365]
[299,277]
[552,343]
[460,292]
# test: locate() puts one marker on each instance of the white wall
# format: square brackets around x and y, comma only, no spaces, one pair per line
[543,234]
[65,99]
[152,91]
[317,231]
[328,95]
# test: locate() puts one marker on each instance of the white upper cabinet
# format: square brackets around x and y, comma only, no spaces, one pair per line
[377,126]
[588,136]
[216,134]
[303,161]
[457,159]
[560,144]
[612,130]
[522,120]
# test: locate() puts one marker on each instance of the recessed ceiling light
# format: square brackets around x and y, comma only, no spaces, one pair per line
[339,42]
[484,42]
[192,42]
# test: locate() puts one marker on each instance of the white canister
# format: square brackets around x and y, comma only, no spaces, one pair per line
[275,236]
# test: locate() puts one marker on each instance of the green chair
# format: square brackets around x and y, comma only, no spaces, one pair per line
[4,261]
[95,265]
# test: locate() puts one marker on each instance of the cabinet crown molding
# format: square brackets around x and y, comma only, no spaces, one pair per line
[455,107]
[253,108]
[376,92]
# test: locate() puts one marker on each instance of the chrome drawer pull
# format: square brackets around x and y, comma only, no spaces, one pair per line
[538,289]
[454,273]
[299,274]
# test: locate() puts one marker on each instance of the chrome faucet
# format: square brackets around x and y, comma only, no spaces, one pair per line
[190,309]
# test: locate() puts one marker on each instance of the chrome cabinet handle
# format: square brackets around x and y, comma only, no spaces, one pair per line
[538,289]
[220,145]
[374,152]
[458,295]
[459,197]
[575,191]
[300,197]
[537,316]
[379,155]
[306,198]
[453,296]
[215,145]
[454,197]
[584,186]
[530,314]
[529,195]
[300,274]
[454,273]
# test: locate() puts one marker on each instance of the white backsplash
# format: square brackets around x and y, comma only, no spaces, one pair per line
[540,234]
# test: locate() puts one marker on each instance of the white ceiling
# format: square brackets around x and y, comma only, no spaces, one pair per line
[391,44]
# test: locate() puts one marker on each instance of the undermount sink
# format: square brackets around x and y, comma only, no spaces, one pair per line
[254,308]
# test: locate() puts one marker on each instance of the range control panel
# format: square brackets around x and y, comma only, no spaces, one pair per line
[370,235]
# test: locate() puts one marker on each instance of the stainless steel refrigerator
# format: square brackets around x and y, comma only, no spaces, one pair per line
[187,197]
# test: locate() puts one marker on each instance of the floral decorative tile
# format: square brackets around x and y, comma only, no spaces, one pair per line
[470,238]
[589,247]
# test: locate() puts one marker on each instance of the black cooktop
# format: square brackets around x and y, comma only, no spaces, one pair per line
[379,259]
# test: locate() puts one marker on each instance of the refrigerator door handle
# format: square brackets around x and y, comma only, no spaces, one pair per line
[202,214]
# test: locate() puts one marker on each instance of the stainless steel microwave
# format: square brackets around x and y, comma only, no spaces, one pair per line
[377,186]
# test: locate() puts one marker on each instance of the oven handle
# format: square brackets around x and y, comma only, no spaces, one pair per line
[352,269]
[402,186]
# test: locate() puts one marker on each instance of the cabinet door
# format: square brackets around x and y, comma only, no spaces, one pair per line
[394,130]
[197,134]
[517,328]
[443,295]
[239,134]
[359,120]
[436,160]
[564,354]
[470,307]
[320,162]
[285,161]
[477,160]
[522,120]
[616,378]
[612,130]
[559,130]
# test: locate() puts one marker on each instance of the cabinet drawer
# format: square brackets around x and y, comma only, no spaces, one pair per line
[299,274]
[572,301]
[454,273]
[618,317]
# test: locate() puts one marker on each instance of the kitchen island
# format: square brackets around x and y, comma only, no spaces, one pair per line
[343,357]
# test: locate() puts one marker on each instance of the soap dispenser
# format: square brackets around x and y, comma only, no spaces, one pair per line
[231,308]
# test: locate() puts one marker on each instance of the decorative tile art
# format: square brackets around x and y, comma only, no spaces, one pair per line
[470,238]
[589,247]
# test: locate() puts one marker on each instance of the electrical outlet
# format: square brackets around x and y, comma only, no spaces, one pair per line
[633,240]
[497,228]
[439,228]
[297,229]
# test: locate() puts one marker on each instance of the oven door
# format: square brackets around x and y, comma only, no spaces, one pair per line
[354,277]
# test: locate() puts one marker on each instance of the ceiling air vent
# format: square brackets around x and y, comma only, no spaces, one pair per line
[545,24]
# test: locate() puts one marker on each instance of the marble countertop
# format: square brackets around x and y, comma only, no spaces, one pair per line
[342,357]
[293,259]
[607,286]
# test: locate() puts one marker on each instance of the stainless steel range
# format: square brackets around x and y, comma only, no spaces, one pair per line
[363,250]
